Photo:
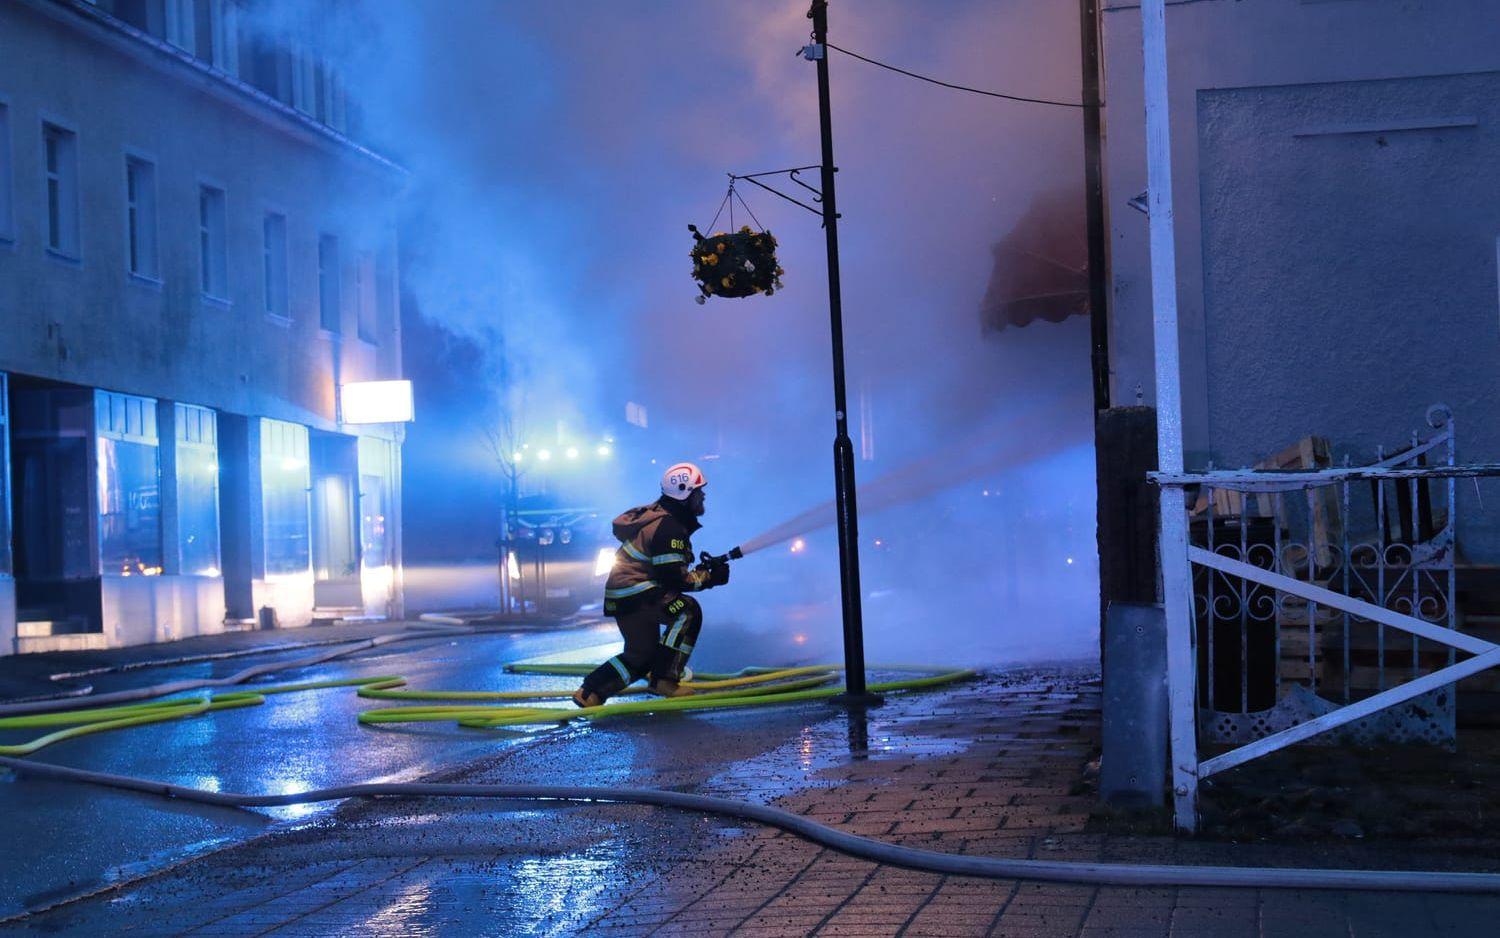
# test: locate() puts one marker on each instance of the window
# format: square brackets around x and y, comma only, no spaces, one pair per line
[5,561]
[197,490]
[211,247]
[320,103]
[269,66]
[146,15]
[364,287]
[60,159]
[385,290]
[635,414]
[7,184]
[328,282]
[284,483]
[129,485]
[140,216]
[179,23]
[303,81]
[273,247]
[205,33]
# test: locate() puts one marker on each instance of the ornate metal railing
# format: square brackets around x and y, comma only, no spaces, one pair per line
[1289,658]
[1323,601]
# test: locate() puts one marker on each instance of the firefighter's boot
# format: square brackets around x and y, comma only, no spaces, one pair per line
[666,687]
[586,699]
[667,671]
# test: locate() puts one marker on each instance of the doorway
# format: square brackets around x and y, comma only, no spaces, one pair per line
[335,554]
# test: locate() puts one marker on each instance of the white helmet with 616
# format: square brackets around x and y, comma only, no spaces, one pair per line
[682,480]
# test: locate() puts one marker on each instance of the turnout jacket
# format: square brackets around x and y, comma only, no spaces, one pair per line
[655,553]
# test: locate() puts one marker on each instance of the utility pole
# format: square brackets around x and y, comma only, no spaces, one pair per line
[1093,180]
[843,450]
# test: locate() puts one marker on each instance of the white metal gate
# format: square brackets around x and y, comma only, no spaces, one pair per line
[1318,566]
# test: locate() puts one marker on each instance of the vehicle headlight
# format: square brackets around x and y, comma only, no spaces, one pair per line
[605,562]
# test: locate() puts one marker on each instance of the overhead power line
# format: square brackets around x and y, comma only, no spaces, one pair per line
[947,84]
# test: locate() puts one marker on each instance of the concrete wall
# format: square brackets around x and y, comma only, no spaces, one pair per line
[291,595]
[1336,219]
[160,608]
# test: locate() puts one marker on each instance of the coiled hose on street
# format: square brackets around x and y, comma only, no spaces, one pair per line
[752,687]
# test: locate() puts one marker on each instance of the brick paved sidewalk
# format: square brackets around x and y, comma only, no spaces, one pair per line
[996,768]
[1003,772]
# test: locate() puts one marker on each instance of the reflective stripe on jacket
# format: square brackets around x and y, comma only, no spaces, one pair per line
[656,551]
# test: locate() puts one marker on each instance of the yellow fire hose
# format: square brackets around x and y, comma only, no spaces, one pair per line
[83,722]
[751,687]
[748,688]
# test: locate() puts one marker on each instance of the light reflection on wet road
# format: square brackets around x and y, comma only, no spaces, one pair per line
[64,839]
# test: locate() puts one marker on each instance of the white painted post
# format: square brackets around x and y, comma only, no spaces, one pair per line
[1176,576]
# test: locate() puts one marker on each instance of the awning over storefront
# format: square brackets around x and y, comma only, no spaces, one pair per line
[1041,267]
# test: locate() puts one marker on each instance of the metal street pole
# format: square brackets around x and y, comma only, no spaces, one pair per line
[843,450]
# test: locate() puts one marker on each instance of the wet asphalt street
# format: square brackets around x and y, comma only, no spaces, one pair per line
[64,840]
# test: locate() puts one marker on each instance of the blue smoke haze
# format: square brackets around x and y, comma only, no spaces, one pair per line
[557,153]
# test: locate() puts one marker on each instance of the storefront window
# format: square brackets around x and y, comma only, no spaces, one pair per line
[129,485]
[285,482]
[375,498]
[197,490]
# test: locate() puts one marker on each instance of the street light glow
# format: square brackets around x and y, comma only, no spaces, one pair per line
[544,454]
[603,451]
[572,452]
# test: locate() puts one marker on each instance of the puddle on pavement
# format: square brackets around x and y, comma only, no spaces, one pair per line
[831,743]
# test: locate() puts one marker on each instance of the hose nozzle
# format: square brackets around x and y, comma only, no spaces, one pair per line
[734,553]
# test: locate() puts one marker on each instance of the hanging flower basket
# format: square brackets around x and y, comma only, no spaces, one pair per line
[737,263]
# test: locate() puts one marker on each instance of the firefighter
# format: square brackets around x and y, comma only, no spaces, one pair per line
[648,589]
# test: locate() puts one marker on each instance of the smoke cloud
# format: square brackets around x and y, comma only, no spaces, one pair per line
[557,154]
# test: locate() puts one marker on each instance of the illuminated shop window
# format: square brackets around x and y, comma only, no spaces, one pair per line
[285,481]
[129,485]
[197,490]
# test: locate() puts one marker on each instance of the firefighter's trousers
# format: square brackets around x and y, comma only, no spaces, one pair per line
[659,637]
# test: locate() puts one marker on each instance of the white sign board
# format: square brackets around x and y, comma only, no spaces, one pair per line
[376,402]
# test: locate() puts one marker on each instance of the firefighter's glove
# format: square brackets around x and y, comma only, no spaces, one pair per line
[717,573]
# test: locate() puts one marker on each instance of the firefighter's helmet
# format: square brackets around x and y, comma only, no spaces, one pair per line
[679,481]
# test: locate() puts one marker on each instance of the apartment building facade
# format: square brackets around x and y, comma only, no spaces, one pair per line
[197,265]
